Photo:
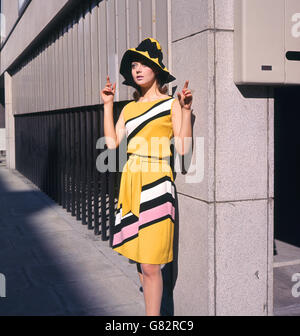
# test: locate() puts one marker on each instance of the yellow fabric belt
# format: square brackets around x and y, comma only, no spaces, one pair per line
[131,180]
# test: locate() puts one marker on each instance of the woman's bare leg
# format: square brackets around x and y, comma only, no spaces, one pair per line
[140,273]
[152,288]
[141,278]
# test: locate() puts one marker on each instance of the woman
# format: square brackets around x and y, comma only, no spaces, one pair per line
[145,214]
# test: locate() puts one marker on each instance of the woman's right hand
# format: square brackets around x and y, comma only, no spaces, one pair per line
[108,93]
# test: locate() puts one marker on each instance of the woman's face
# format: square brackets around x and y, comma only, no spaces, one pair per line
[142,74]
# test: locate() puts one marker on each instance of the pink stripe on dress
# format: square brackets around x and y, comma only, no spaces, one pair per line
[145,217]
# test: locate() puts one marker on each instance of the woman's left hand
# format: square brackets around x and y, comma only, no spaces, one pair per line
[185,98]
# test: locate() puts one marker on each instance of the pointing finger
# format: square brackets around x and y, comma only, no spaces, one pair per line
[186,84]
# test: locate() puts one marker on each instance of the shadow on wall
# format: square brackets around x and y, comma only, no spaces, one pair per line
[287,165]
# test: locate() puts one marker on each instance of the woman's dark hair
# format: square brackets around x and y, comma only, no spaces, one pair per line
[163,89]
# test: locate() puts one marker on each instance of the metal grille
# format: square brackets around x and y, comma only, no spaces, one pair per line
[56,150]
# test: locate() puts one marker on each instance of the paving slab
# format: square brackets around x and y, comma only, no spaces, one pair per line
[286,252]
[135,309]
[34,301]
[102,293]
[82,270]
[286,287]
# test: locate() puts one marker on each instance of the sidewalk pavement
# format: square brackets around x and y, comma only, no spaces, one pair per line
[54,265]
[286,273]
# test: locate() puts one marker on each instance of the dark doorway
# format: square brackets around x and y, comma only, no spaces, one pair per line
[287,165]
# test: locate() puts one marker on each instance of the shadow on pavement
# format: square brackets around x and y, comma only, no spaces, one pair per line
[49,269]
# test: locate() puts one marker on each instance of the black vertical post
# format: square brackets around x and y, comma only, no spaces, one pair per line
[54,154]
[27,146]
[59,157]
[38,149]
[42,154]
[103,205]
[96,135]
[83,166]
[20,135]
[30,170]
[63,160]
[68,161]
[32,154]
[30,149]
[25,143]
[47,152]
[103,183]
[89,149]
[17,135]
[17,141]
[49,191]
[111,204]
[51,155]
[72,161]
[42,150]
[35,156]
[77,163]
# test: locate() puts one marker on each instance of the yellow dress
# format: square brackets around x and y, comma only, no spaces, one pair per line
[145,215]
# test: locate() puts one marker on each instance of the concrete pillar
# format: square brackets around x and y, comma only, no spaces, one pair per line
[225,255]
[9,123]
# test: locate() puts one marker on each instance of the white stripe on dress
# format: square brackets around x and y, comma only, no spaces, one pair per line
[148,195]
[158,190]
[119,216]
[133,124]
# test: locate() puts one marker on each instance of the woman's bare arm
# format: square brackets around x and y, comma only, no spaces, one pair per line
[182,120]
[113,134]
[182,128]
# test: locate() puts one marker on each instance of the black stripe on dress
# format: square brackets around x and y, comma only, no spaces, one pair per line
[167,197]
[157,182]
[149,109]
[151,185]
[143,124]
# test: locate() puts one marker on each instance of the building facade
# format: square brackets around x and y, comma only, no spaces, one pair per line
[55,55]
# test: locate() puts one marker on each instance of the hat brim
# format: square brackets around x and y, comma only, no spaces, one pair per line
[125,68]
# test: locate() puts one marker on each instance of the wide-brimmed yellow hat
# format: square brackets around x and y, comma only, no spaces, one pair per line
[148,50]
